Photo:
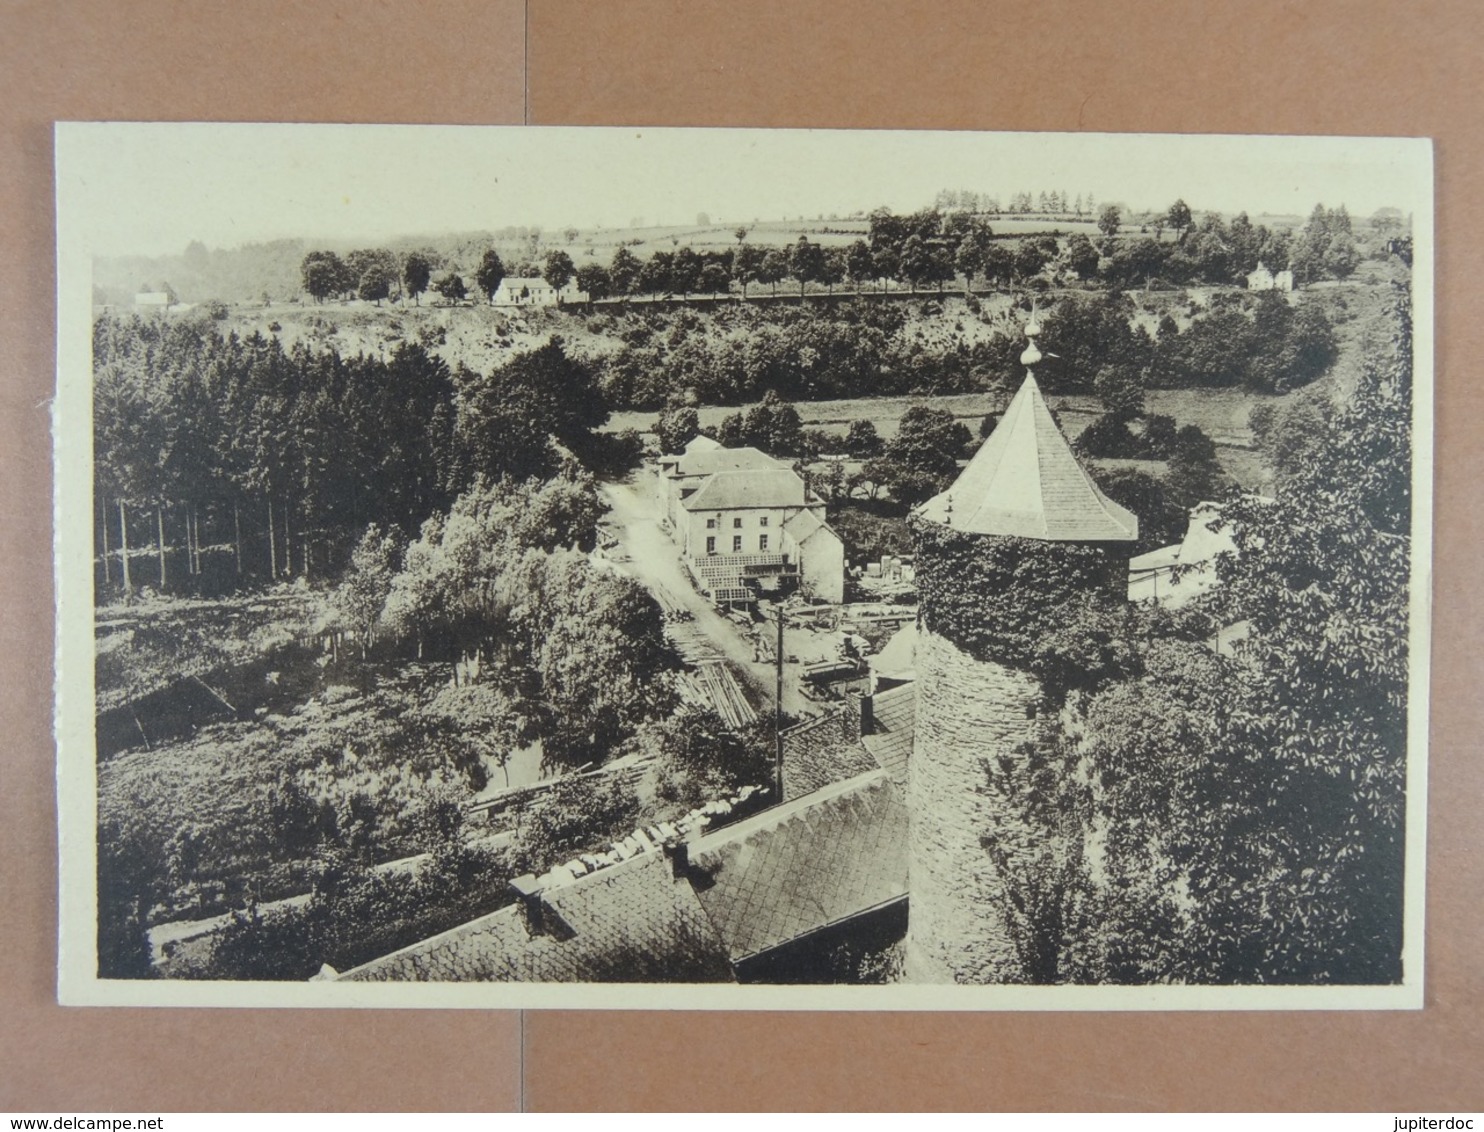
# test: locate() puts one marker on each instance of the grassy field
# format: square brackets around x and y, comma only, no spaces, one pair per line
[1220,413]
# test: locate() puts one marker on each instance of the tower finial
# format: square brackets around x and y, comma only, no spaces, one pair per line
[1031,355]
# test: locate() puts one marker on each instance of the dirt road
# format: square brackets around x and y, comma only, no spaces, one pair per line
[646,552]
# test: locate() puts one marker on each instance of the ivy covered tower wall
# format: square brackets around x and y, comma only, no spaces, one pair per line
[1006,559]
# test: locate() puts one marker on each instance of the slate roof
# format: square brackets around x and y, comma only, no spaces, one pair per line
[632,922]
[733,490]
[893,717]
[804,865]
[1024,481]
[812,763]
[703,461]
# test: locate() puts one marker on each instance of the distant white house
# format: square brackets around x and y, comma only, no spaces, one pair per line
[519,291]
[1264,280]
[153,299]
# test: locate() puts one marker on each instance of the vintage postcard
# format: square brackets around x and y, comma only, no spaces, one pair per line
[515,567]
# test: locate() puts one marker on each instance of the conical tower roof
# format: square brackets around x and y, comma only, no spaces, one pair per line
[1024,481]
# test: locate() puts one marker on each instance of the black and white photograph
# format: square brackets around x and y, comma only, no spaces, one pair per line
[741,569]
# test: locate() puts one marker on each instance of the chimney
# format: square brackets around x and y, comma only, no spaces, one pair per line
[527,890]
[865,713]
[679,854]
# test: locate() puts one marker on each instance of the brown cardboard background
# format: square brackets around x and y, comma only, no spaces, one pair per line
[1263,66]
[243,61]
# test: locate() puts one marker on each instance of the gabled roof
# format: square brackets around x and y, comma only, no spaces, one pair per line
[1024,481]
[893,716]
[703,461]
[802,525]
[633,922]
[898,656]
[725,491]
[804,865]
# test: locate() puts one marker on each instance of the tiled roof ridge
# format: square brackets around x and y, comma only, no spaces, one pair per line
[808,725]
[775,816]
[639,843]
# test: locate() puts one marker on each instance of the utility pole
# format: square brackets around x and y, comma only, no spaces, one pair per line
[778,705]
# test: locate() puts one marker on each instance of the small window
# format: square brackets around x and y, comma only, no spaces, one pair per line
[711,524]
[736,524]
[736,544]
[762,542]
[763,522]
[711,545]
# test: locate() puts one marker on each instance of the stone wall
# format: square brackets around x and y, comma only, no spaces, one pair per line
[970,715]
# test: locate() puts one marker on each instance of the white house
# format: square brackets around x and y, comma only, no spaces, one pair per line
[153,299]
[1262,279]
[523,291]
[1173,576]
[738,515]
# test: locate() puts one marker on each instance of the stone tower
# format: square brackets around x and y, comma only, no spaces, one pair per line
[1004,557]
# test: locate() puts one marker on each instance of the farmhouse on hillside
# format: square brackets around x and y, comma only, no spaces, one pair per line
[522,291]
[739,515]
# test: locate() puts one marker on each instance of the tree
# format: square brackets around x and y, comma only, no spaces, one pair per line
[859,264]
[1030,259]
[361,261]
[655,274]
[491,274]
[1108,222]
[1082,257]
[922,459]
[773,268]
[322,273]
[1326,247]
[774,426]
[1196,475]
[375,284]
[558,271]
[805,263]
[685,271]
[886,264]
[451,287]
[359,598]
[714,279]
[972,253]
[746,264]
[1178,218]
[861,440]
[676,427]
[699,760]
[623,272]
[1121,390]
[831,268]
[1162,521]
[594,281]
[416,273]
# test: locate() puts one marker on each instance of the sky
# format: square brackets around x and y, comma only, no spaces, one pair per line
[150,188]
